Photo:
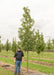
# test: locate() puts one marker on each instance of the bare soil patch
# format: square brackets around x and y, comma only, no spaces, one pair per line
[11,67]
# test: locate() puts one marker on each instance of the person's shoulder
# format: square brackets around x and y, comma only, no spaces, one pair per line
[16,52]
[21,51]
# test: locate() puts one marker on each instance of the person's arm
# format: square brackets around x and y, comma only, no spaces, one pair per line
[22,56]
[15,58]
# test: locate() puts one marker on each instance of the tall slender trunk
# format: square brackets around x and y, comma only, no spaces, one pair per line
[39,58]
[42,54]
[27,61]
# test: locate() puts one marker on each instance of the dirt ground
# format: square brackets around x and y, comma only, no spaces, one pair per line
[11,67]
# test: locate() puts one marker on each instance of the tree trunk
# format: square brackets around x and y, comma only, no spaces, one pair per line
[42,54]
[39,58]
[27,61]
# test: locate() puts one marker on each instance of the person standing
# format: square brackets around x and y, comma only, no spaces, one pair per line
[18,58]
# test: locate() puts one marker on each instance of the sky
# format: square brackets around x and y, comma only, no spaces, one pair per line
[42,11]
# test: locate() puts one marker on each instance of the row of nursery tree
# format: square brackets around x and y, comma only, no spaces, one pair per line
[37,43]
[29,39]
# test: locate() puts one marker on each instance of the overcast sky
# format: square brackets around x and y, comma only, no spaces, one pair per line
[42,11]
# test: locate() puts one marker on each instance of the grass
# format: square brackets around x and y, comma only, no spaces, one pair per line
[5,72]
[41,68]
[42,60]
[49,55]
[32,66]
[7,55]
[30,58]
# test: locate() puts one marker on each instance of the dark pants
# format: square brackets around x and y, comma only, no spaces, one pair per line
[17,65]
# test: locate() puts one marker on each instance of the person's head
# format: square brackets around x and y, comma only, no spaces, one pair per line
[19,49]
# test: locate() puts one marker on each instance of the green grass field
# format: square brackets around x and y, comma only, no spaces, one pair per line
[49,55]
[41,68]
[5,72]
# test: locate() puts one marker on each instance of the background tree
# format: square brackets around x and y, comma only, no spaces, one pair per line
[26,34]
[40,45]
[53,43]
[7,45]
[19,44]
[14,45]
[4,46]
[10,46]
[49,44]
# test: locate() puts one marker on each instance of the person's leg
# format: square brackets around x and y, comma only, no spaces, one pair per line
[19,67]
[16,65]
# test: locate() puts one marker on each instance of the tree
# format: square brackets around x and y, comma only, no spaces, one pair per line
[40,45]
[38,42]
[7,45]
[49,44]
[26,34]
[10,45]
[2,46]
[14,45]
[53,43]
[19,44]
